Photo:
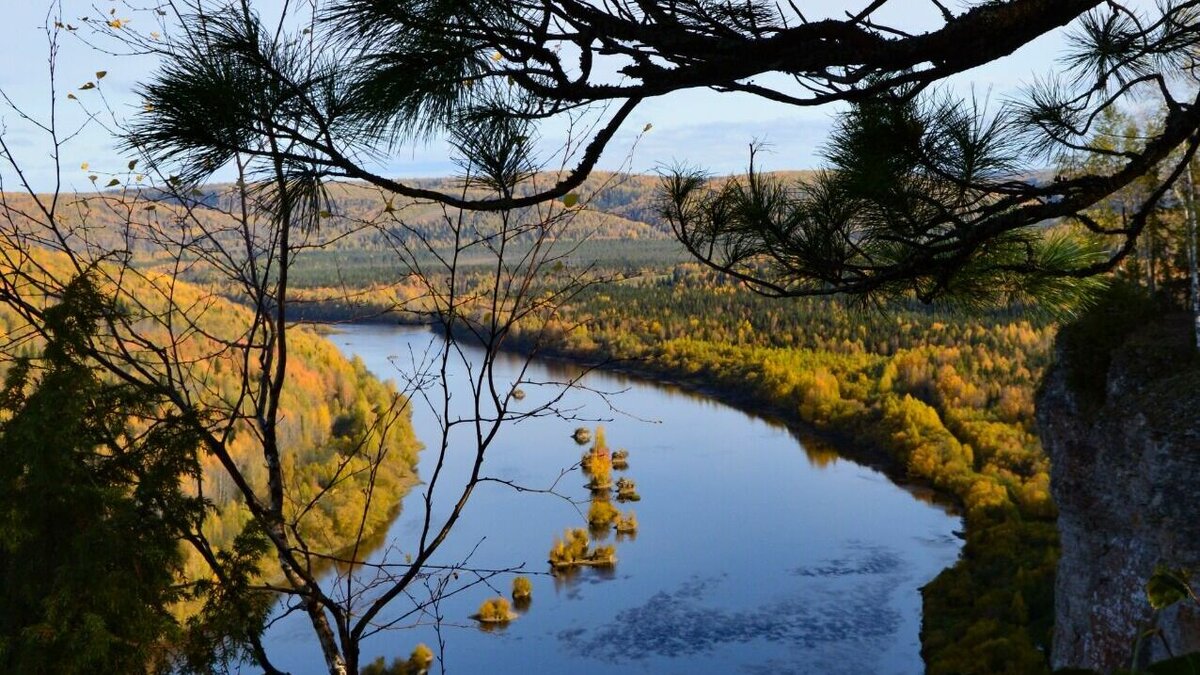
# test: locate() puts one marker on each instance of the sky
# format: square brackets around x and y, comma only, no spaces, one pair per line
[697,127]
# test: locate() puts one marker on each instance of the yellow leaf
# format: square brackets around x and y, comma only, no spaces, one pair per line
[648,127]
[116,23]
[93,178]
[324,214]
[132,164]
[151,207]
[154,35]
[72,97]
[570,200]
[148,108]
[497,56]
[139,178]
[113,182]
[88,85]
[387,207]
[84,166]
[100,74]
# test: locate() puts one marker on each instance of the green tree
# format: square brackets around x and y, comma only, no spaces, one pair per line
[1188,193]
[91,510]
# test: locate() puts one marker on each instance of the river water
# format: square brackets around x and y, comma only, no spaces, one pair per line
[756,553]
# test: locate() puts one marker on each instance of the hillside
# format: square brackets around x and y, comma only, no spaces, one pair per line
[330,407]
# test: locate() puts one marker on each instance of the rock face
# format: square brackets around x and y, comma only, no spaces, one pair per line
[1126,477]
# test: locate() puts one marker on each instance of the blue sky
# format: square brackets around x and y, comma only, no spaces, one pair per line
[698,127]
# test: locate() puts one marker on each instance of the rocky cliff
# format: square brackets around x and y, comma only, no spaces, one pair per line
[1122,428]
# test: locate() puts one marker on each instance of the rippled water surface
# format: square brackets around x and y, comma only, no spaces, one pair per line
[754,554]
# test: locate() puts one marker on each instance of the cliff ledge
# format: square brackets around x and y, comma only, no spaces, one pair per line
[1122,430]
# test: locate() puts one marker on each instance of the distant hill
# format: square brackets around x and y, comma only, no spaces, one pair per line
[612,206]
[354,244]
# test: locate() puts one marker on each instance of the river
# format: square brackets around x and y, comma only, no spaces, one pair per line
[754,554]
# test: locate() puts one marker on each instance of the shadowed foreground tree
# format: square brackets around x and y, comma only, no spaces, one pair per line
[92,509]
[926,195]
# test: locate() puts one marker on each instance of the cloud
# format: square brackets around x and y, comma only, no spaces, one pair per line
[19,138]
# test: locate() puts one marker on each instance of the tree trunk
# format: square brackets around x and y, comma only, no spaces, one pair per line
[1151,260]
[1193,274]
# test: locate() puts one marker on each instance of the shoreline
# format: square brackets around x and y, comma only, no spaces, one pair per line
[866,453]
[861,451]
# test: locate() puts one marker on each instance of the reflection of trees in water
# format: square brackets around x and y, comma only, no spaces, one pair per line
[599,532]
[820,453]
[368,547]
[488,627]
[568,578]
[523,603]
[555,368]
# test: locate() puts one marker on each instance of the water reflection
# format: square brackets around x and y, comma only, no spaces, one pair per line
[680,622]
[568,579]
[492,627]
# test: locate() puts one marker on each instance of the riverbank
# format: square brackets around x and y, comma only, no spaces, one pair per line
[820,444]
